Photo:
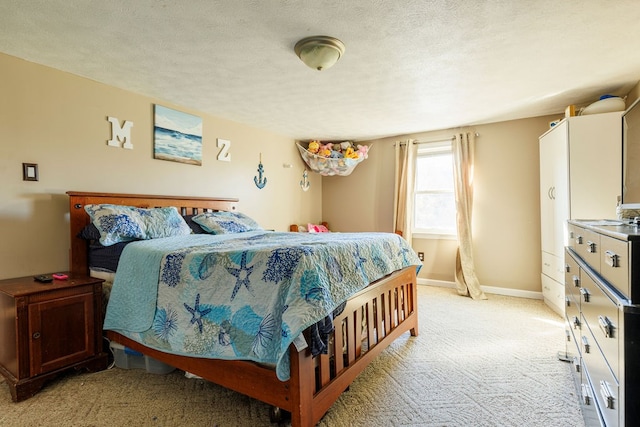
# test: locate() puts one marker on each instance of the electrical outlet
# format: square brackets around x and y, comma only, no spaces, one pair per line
[421,256]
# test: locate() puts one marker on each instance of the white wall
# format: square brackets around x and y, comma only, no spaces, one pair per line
[59,121]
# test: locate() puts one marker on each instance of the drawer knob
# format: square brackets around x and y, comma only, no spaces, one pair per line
[606,326]
[36,335]
[611,259]
[585,294]
[585,344]
[579,240]
[586,394]
[591,247]
[576,281]
[576,322]
[607,394]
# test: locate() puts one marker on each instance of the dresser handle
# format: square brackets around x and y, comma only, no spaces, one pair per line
[567,268]
[611,259]
[586,394]
[579,240]
[607,394]
[585,344]
[606,326]
[576,322]
[591,246]
[576,281]
[585,293]
[576,363]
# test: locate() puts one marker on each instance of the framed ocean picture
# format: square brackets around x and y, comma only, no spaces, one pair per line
[177,136]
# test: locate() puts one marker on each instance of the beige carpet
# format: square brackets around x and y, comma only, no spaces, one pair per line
[475,363]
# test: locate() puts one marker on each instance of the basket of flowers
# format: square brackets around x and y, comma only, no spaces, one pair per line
[332,158]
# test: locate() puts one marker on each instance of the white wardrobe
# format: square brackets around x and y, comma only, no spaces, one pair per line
[580,178]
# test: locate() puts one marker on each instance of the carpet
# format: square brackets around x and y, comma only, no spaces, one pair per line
[474,363]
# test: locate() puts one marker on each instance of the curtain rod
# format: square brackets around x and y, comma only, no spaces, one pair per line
[430,141]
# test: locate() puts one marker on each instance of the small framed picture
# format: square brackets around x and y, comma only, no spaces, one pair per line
[29,171]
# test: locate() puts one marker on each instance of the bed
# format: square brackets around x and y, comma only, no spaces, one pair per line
[367,322]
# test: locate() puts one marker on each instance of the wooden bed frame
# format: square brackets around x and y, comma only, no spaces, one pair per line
[389,306]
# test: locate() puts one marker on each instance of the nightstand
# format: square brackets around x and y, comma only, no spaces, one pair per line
[48,328]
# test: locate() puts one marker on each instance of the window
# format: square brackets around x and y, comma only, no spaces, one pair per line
[434,199]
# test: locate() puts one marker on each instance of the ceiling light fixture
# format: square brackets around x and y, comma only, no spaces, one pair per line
[319,52]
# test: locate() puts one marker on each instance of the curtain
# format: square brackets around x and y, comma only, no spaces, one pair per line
[405,153]
[465,275]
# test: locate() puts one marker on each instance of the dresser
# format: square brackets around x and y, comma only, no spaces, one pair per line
[47,328]
[602,312]
[580,170]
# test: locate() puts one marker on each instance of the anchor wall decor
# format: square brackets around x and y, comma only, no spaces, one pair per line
[305,184]
[260,180]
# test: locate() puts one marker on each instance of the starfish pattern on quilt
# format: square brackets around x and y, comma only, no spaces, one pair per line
[197,313]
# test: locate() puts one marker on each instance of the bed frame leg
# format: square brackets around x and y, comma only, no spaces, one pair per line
[302,384]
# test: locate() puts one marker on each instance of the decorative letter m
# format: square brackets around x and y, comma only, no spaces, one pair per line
[120,135]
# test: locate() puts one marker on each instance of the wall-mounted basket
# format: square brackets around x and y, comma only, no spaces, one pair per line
[329,166]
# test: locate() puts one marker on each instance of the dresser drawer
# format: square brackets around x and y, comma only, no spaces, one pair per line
[604,388]
[600,317]
[574,321]
[614,263]
[588,247]
[572,277]
[573,232]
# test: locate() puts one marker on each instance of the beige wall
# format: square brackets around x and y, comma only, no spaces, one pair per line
[59,121]
[506,221]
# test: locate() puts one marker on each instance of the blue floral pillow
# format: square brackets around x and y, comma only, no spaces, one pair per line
[226,222]
[125,223]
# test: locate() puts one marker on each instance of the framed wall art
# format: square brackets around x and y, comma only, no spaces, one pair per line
[177,136]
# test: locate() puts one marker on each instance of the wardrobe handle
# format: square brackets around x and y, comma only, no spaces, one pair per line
[585,293]
[607,394]
[611,259]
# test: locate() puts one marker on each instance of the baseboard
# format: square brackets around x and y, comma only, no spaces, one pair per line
[486,289]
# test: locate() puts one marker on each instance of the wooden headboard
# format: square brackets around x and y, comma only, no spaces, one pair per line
[78,217]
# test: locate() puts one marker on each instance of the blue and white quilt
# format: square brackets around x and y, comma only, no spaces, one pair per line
[243,296]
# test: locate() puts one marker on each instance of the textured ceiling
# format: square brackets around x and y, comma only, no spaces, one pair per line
[409,66]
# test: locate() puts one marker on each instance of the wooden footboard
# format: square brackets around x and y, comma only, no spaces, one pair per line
[370,321]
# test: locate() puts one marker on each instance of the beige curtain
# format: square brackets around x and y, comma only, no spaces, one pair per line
[466,279]
[405,153]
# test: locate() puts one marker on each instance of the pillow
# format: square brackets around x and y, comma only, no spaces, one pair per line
[226,222]
[317,228]
[125,223]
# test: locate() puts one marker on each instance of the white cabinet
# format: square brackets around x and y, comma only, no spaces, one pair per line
[580,178]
